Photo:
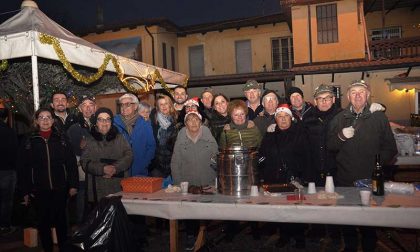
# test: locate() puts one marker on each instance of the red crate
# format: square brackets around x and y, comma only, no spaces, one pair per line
[141,184]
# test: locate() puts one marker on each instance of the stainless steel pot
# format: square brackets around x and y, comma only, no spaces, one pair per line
[237,170]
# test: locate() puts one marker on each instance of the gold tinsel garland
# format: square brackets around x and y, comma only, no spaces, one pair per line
[47,39]
[3,65]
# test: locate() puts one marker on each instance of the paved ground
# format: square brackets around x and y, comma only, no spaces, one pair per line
[158,240]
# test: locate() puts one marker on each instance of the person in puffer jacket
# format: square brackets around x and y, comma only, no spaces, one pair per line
[47,176]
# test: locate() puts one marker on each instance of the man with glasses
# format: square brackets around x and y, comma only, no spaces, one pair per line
[357,135]
[78,133]
[252,91]
[137,132]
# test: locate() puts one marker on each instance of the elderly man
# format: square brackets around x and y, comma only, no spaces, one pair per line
[62,118]
[78,133]
[137,132]
[357,135]
[299,107]
[252,91]
[270,101]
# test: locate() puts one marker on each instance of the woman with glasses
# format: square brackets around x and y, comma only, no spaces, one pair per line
[48,175]
[240,131]
[137,132]
[106,158]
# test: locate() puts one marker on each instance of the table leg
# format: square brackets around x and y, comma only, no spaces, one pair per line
[173,235]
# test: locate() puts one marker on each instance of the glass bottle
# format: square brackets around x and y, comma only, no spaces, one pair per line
[378,178]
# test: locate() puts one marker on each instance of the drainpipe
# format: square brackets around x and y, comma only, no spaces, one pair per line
[153,44]
[310,34]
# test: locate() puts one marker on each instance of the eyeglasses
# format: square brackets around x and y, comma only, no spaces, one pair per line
[270,98]
[193,119]
[44,118]
[104,120]
[324,99]
[126,105]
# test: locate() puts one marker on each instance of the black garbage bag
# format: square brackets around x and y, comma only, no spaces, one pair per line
[107,228]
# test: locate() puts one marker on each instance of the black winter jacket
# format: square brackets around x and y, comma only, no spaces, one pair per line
[356,156]
[47,164]
[286,154]
[323,161]
[217,123]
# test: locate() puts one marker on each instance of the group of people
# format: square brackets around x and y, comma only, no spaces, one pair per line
[87,155]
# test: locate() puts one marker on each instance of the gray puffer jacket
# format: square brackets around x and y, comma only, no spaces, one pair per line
[192,161]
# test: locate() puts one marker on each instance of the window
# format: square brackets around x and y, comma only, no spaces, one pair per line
[173,58]
[327,28]
[196,60]
[386,33]
[243,56]
[282,53]
[383,34]
[165,63]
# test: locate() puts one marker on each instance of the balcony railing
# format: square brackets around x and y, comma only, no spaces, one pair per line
[395,48]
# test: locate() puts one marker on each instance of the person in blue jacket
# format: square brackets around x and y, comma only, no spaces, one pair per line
[138,133]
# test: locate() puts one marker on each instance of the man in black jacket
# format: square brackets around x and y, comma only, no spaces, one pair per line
[8,148]
[62,117]
[323,161]
[357,134]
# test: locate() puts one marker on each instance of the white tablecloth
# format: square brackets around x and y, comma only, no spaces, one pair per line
[407,160]
[390,211]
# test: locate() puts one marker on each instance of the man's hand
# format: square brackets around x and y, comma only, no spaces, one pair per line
[376,107]
[348,132]
[72,192]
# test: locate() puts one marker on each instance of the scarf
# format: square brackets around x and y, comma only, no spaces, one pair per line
[194,139]
[45,134]
[164,121]
[130,122]
[239,127]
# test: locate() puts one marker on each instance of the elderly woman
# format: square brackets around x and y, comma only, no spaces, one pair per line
[48,170]
[219,116]
[193,150]
[137,132]
[239,131]
[287,157]
[191,160]
[106,158]
[165,132]
[144,110]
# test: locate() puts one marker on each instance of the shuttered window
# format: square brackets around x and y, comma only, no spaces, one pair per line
[243,56]
[196,60]
[327,25]
[282,53]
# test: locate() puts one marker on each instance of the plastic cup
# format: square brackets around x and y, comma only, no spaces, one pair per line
[329,185]
[365,197]
[299,195]
[311,188]
[254,191]
[184,187]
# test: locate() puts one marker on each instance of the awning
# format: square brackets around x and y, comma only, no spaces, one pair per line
[406,83]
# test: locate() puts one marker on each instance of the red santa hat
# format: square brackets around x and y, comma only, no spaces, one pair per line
[283,108]
[192,101]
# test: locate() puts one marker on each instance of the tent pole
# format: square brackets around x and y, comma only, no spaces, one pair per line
[35,83]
